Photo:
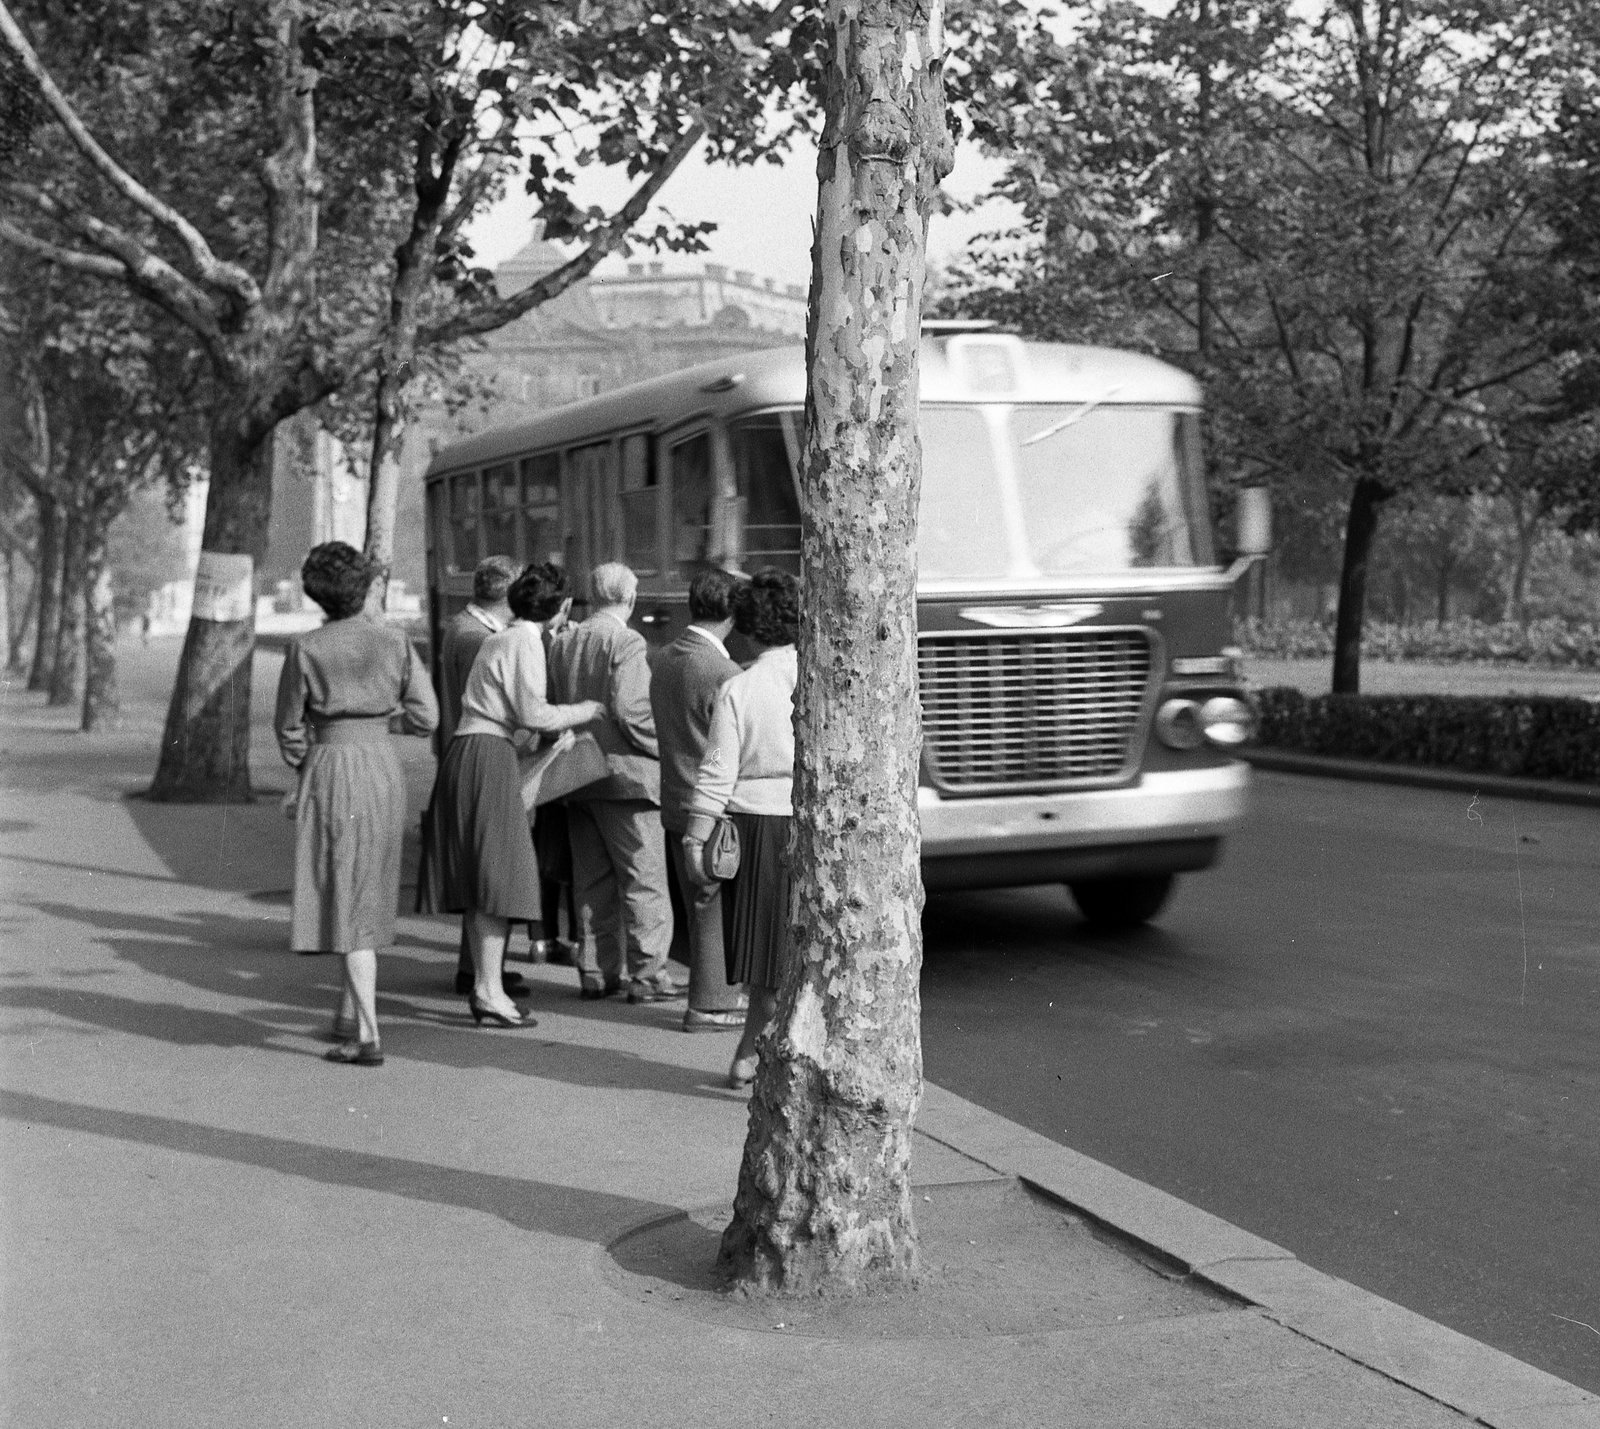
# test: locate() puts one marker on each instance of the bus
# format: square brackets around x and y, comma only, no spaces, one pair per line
[1081,701]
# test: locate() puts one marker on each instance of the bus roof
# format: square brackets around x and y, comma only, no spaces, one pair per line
[1006,369]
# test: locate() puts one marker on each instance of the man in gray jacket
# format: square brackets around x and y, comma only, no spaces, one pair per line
[683,692]
[619,864]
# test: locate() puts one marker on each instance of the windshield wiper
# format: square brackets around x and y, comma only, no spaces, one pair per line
[1072,417]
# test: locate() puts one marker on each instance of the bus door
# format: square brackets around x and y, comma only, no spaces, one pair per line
[591,495]
[697,485]
[766,468]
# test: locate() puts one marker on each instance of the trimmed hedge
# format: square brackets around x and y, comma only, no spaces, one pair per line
[1531,737]
[1555,643]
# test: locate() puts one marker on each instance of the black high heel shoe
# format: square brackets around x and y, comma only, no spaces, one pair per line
[482,1014]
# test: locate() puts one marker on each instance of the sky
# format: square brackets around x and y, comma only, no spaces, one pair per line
[763,214]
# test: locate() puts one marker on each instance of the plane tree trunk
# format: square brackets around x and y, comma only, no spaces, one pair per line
[47,581]
[101,703]
[824,1199]
[205,746]
[66,669]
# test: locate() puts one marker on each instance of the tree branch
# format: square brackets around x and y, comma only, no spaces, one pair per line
[64,257]
[293,183]
[143,270]
[227,276]
[556,282]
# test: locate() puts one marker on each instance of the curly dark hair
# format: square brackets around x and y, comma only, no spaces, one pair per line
[538,592]
[711,594]
[337,577]
[767,607]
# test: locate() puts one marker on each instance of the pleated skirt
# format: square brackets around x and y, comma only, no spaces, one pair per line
[348,826]
[479,832]
[755,902]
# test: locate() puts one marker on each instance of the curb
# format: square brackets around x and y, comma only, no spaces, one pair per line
[1491,1387]
[1548,791]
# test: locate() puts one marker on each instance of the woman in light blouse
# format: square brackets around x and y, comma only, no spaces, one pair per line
[748,774]
[487,863]
[340,684]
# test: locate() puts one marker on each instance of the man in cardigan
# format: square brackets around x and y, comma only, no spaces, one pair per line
[619,857]
[683,689]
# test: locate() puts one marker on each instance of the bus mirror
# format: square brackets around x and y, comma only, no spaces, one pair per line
[1252,521]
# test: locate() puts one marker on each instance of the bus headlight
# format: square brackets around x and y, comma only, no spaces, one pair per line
[1222,721]
[1178,725]
[1226,721]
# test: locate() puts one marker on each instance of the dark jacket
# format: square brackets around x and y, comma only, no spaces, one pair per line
[604,660]
[683,691]
[458,648]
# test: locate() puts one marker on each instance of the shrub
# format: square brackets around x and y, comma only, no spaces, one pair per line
[1533,737]
[1544,642]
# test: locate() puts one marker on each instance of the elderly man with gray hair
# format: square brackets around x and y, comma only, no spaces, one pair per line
[619,863]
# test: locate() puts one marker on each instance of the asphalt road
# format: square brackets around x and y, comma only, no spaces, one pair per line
[1371,1035]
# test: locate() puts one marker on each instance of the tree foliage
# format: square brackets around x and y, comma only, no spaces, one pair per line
[1337,215]
[249,168]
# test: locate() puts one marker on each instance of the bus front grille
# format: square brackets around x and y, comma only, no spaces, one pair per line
[1026,712]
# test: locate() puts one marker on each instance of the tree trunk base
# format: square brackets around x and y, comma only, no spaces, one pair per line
[848,1165]
[205,747]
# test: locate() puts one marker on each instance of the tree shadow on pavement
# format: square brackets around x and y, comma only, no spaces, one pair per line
[226,847]
[568,1211]
[219,953]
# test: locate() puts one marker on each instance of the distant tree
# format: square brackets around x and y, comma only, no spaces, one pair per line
[1334,214]
[98,411]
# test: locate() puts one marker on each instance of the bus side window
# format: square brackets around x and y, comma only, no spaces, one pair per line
[693,505]
[500,511]
[640,506]
[764,453]
[541,509]
[465,518]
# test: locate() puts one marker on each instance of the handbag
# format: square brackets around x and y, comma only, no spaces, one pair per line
[720,858]
[568,764]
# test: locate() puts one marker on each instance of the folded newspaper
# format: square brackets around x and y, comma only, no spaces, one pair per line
[554,771]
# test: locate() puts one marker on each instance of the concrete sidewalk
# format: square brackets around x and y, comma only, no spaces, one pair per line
[206,1224]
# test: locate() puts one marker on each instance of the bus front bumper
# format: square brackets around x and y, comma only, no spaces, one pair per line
[1169,822]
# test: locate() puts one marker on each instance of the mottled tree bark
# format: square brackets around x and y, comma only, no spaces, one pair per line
[824,1200]
[205,746]
[1360,528]
[100,701]
[66,678]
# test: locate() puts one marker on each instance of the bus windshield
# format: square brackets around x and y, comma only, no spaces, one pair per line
[1019,491]
[1028,491]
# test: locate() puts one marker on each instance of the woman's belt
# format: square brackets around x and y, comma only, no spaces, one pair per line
[350,729]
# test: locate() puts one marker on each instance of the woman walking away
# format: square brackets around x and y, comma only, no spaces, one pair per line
[339,687]
[748,774]
[486,853]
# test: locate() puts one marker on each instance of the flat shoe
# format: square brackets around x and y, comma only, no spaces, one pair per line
[729,1021]
[649,990]
[592,989]
[355,1054]
[742,1072]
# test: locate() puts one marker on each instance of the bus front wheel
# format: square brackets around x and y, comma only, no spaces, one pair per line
[1122,902]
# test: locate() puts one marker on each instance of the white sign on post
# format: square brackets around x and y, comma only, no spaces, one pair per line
[224,587]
